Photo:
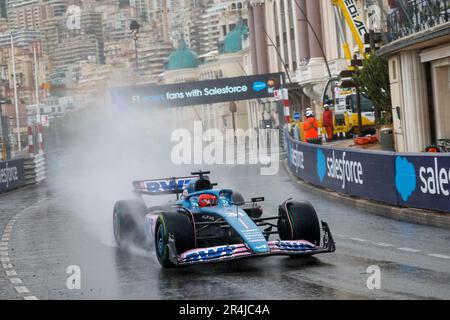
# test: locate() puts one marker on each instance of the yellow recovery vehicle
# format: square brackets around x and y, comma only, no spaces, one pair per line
[343,100]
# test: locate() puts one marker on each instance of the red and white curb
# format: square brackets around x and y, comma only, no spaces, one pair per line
[7,264]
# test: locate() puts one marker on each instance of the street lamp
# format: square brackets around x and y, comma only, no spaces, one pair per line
[134,27]
[16,102]
[6,150]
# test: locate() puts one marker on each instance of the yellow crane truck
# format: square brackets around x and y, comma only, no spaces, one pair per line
[342,100]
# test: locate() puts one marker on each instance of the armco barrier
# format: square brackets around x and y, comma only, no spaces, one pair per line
[400,179]
[35,169]
[12,175]
[21,172]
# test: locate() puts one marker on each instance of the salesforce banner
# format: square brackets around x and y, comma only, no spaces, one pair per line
[421,181]
[12,175]
[198,92]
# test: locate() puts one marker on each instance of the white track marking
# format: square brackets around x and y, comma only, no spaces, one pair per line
[404,249]
[11,273]
[437,255]
[382,244]
[359,239]
[22,289]
[15,281]
[409,250]
[4,255]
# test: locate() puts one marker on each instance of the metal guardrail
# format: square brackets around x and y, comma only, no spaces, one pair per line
[411,16]
[416,180]
[35,169]
[29,170]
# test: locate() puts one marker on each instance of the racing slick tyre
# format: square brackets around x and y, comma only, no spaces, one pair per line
[128,222]
[178,226]
[298,221]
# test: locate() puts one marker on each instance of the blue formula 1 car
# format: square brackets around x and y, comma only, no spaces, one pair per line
[206,224]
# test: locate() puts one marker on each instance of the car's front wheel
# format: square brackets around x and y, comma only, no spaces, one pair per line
[181,228]
[298,221]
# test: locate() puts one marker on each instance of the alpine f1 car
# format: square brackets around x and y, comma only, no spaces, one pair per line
[206,224]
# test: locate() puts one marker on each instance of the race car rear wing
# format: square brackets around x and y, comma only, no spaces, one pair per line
[175,185]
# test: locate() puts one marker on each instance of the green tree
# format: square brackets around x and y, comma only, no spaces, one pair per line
[373,79]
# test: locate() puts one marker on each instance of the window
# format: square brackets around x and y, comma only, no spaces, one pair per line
[394,70]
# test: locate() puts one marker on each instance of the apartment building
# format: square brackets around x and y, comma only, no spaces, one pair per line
[185,65]
[28,15]
[82,47]
[218,19]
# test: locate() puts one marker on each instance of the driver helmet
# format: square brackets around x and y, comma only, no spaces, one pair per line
[207,200]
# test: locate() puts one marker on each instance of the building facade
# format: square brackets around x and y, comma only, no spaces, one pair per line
[185,65]
[305,40]
[419,64]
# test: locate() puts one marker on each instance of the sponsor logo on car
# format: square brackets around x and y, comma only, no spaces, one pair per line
[208,254]
[294,245]
[261,247]
[166,185]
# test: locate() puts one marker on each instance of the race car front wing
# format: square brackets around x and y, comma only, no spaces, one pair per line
[241,250]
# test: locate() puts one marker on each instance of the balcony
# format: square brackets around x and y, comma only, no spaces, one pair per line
[313,74]
[411,16]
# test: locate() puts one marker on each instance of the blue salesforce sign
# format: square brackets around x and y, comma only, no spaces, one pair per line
[405,177]
[409,180]
[321,165]
[196,92]
[259,86]
[423,181]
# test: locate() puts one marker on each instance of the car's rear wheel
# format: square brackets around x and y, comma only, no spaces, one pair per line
[128,222]
[178,225]
[298,221]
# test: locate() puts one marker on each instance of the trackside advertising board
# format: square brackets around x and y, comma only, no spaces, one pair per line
[12,175]
[408,180]
[198,92]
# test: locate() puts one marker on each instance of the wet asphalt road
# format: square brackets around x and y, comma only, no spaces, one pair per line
[54,231]
[68,221]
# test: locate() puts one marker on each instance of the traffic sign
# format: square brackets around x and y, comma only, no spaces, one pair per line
[44,120]
[282,94]
[277,95]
